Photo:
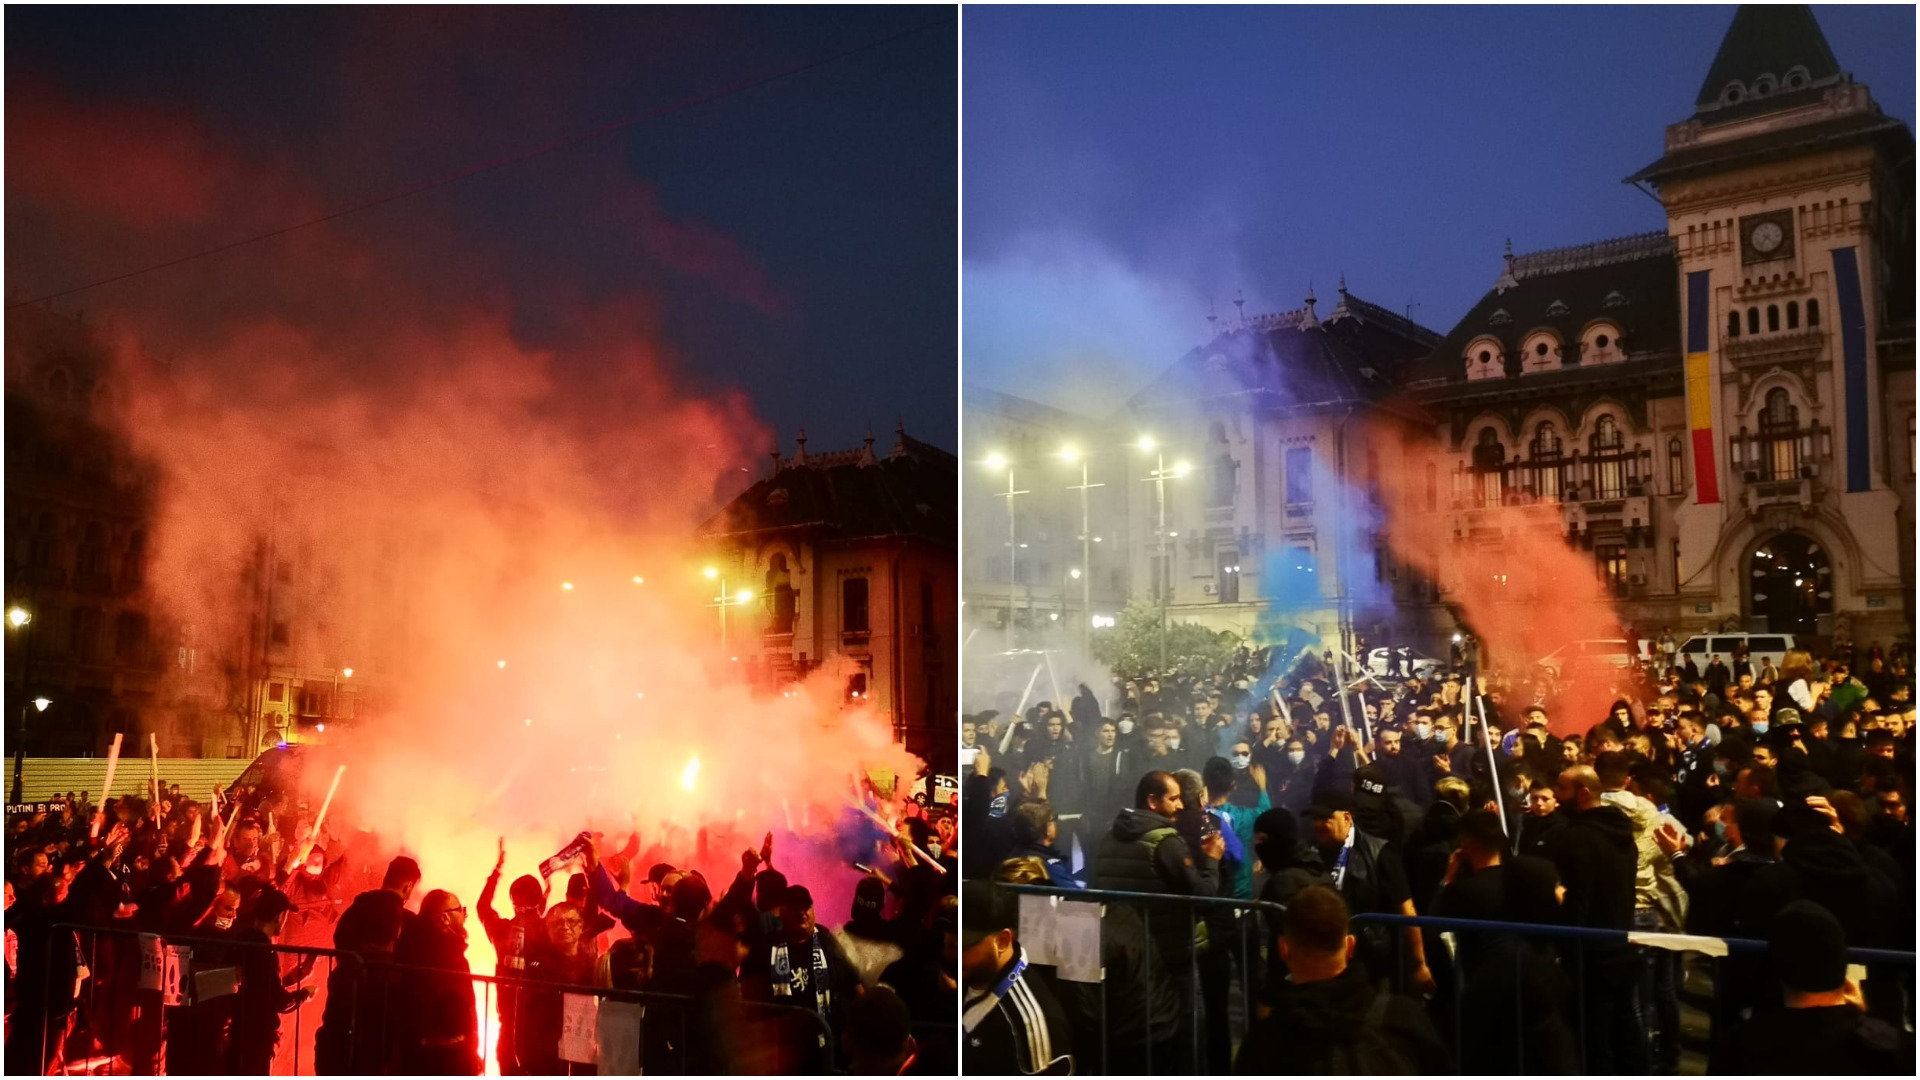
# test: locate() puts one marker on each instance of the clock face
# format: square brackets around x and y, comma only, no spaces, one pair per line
[1766,236]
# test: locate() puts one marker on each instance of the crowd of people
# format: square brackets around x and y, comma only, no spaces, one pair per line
[164,934]
[1756,801]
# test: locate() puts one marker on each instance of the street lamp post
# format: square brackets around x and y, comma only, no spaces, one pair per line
[724,600]
[998,462]
[1085,573]
[1162,549]
[18,618]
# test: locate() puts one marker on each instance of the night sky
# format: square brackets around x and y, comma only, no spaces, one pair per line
[795,241]
[1125,166]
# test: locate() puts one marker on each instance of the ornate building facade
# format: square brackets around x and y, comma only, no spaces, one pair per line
[847,559]
[1720,411]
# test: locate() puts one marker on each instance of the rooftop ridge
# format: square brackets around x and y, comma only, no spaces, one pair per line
[1392,318]
[1619,249]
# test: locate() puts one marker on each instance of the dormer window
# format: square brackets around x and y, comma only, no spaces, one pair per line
[1797,78]
[1600,344]
[1733,93]
[1540,352]
[1485,360]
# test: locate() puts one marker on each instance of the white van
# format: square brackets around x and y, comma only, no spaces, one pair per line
[1760,647]
[1588,654]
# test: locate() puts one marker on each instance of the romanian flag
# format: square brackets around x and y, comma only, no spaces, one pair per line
[1706,476]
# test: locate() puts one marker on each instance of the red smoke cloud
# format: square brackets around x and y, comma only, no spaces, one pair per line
[1523,596]
[360,402]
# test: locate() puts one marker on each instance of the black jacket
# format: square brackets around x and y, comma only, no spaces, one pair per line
[1144,853]
[1597,860]
[1024,1033]
[1834,1040]
[1342,1026]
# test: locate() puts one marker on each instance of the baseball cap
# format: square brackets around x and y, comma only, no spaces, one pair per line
[985,911]
[1329,801]
[1369,780]
[1787,717]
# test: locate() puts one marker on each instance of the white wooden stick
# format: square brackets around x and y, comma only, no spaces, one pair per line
[106,790]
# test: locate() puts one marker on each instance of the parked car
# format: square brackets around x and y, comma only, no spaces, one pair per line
[1704,647]
[1588,654]
[1418,665]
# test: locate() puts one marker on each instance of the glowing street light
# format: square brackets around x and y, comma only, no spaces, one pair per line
[40,704]
[725,599]
[1069,454]
[567,586]
[1146,444]
[638,580]
[18,617]
[501,663]
[346,673]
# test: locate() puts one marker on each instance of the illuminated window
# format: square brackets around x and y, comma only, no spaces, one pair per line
[1779,436]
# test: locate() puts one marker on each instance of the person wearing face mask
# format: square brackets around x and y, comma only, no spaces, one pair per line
[432,1005]
[1291,785]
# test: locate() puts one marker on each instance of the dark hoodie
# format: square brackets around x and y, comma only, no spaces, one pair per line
[1144,853]
[1596,857]
[1822,866]
[1342,1026]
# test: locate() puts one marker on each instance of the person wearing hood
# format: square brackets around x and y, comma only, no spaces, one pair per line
[1819,863]
[1290,864]
[871,942]
[1290,783]
[1327,1017]
[1822,1027]
[1597,858]
[354,1025]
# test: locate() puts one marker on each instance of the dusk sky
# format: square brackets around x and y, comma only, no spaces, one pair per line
[1124,166]
[795,240]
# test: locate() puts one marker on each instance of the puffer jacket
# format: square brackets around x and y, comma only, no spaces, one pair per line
[1655,887]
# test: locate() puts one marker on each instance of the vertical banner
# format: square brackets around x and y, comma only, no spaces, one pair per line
[1853,365]
[1706,473]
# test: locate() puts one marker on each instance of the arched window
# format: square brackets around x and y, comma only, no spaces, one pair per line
[1773,318]
[1779,436]
[1490,469]
[1733,324]
[1220,474]
[780,593]
[1544,455]
[1753,320]
[1793,314]
[1813,313]
[1676,468]
[1609,459]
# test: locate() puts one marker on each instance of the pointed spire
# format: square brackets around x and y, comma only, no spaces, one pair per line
[1507,279]
[1240,305]
[1340,310]
[899,438]
[800,455]
[866,450]
[1213,321]
[1308,319]
[775,454]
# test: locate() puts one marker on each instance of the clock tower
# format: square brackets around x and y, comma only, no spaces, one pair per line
[1789,199]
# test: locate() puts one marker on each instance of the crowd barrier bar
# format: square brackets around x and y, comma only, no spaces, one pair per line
[1194,906]
[124,980]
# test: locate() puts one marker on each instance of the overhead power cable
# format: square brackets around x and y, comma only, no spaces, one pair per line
[511,159]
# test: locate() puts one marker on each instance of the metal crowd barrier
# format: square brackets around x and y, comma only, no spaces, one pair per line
[1210,1010]
[136,996]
